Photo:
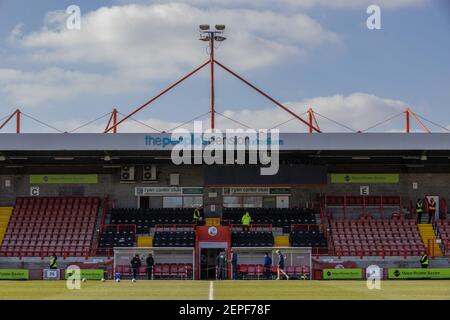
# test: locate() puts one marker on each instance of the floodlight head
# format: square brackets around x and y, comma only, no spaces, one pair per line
[219,38]
[220,27]
[204,27]
[206,38]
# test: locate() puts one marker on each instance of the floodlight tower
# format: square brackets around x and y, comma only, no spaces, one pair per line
[211,36]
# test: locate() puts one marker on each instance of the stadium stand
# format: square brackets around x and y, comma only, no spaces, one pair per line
[40,226]
[370,237]
[145,219]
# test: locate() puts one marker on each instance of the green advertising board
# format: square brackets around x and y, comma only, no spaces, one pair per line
[88,274]
[419,273]
[63,178]
[342,274]
[14,274]
[365,178]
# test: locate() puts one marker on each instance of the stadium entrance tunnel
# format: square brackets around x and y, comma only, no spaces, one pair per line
[208,263]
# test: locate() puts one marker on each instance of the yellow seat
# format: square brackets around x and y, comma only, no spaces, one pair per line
[281,241]
[144,241]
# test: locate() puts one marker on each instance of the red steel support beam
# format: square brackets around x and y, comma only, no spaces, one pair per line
[18,121]
[114,118]
[15,114]
[312,120]
[408,114]
[211,62]
[158,96]
[407,127]
[267,96]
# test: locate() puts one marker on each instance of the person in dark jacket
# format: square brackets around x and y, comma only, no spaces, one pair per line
[234,258]
[431,210]
[135,265]
[221,266]
[267,266]
[150,262]
[281,266]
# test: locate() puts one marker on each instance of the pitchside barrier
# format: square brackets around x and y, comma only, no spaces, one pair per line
[168,262]
[418,273]
[14,274]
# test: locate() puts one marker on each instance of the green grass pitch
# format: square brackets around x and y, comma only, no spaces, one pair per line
[223,290]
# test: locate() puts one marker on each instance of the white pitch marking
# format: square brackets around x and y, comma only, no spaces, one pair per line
[211,290]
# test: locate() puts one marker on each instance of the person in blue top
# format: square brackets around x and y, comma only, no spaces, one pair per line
[267,266]
[280,268]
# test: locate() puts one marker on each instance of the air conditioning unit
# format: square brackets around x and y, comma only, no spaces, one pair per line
[127,173]
[149,173]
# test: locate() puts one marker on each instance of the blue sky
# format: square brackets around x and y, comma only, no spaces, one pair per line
[311,53]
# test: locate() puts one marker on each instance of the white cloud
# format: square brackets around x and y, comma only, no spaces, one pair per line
[33,89]
[131,46]
[305,4]
[160,39]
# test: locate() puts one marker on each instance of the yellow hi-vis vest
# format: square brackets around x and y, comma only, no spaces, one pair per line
[424,260]
[196,214]
[419,207]
[52,262]
[246,219]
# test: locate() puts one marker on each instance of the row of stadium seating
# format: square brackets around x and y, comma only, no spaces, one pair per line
[252,239]
[256,271]
[276,217]
[304,238]
[174,239]
[40,226]
[144,219]
[163,270]
[116,238]
[376,237]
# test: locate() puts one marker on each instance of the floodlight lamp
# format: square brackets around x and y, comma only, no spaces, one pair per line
[220,27]
[219,38]
[204,27]
[207,38]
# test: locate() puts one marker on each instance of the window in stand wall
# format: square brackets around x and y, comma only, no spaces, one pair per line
[192,202]
[232,202]
[172,202]
[270,202]
[252,202]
